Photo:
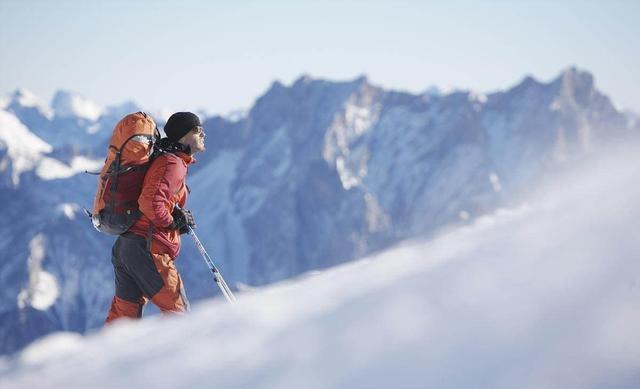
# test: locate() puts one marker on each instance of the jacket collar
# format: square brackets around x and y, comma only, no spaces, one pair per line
[188,159]
[180,150]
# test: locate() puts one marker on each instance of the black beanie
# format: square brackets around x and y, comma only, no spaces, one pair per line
[179,124]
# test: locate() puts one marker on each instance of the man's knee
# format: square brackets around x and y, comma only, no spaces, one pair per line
[171,300]
[171,297]
[122,308]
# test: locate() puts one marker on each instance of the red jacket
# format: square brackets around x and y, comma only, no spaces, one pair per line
[163,188]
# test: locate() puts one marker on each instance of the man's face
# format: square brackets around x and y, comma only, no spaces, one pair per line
[194,139]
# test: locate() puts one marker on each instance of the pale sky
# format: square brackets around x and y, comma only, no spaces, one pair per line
[222,55]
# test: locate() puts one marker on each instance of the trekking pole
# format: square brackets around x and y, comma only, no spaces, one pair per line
[217,277]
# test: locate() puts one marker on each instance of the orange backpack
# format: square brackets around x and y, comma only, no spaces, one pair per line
[131,151]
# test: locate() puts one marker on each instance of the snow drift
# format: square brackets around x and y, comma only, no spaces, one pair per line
[545,295]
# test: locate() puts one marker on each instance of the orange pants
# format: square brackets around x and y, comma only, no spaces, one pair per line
[142,275]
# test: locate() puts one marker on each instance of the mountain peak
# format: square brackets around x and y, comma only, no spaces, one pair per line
[304,79]
[22,99]
[25,98]
[575,86]
[575,78]
[275,86]
[70,104]
[361,79]
[528,82]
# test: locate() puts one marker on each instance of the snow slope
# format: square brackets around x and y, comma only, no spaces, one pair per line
[544,296]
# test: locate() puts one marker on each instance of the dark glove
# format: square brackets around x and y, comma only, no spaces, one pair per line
[182,220]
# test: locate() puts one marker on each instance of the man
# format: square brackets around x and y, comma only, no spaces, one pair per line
[143,256]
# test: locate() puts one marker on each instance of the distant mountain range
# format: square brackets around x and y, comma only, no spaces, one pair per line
[314,174]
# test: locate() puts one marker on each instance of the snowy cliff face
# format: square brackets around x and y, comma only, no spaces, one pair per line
[316,174]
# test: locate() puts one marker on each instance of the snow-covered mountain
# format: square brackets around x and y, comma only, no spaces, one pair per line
[32,112]
[22,151]
[48,254]
[320,173]
[541,296]
[314,175]
[71,123]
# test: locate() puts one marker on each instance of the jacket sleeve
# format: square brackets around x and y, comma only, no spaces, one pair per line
[162,181]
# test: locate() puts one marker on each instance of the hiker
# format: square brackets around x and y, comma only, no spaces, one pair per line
[143,256]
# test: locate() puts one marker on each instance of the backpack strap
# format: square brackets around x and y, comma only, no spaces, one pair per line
[114,181]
